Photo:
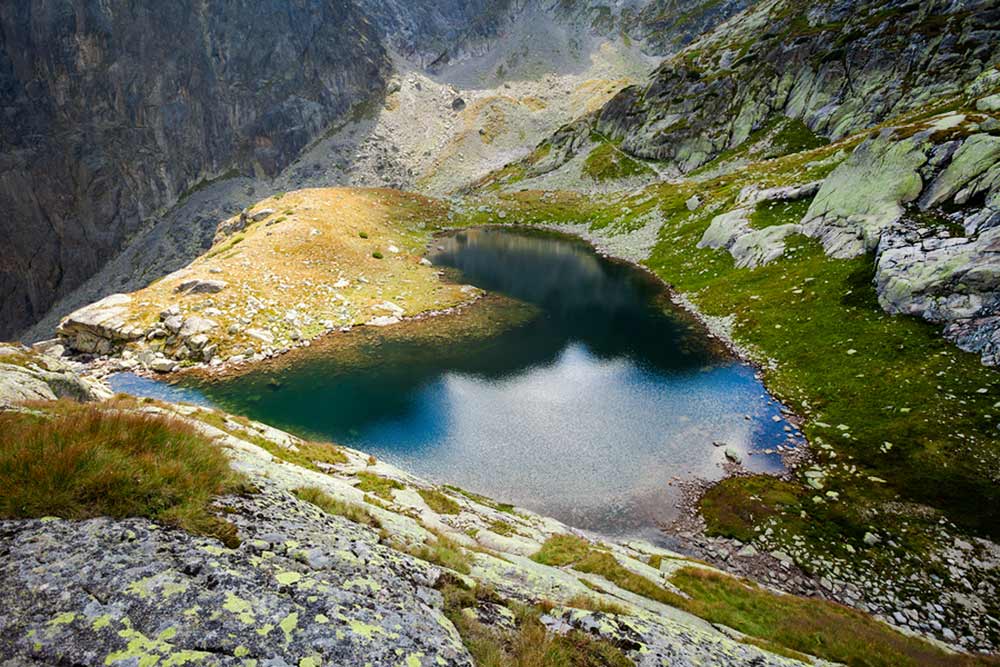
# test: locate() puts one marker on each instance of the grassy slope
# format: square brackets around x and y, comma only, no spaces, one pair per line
[80,461]
[787,624]
[292,259]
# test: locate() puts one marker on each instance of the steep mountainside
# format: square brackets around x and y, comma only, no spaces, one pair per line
[113,110]
[838,66]
[133,150]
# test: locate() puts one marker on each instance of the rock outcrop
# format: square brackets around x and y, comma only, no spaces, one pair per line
[28,375]
[838,66]
[112,112]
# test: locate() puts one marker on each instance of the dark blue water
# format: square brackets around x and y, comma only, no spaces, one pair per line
[581,399]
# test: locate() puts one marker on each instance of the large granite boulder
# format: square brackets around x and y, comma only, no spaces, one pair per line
[102,327]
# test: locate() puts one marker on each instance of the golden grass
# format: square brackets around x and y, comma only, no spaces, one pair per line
[80,461]
[292,260]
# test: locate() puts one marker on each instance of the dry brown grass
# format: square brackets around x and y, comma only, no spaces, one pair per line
[79,461]
[292,259]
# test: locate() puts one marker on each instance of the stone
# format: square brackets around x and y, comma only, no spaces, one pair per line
[457,104]
[200,286]
[990,103]
[733,455]
[161,364]
[871,539]
[195,325]
[693,203]
[257,216]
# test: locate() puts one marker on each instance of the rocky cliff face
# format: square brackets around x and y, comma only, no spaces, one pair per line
[112,111]
[112,115]
[838,66]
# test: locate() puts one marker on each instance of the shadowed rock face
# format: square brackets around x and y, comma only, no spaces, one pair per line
[111,111]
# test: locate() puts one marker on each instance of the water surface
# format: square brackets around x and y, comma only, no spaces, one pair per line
[581,396]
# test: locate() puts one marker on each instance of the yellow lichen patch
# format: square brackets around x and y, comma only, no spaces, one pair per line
[312,260]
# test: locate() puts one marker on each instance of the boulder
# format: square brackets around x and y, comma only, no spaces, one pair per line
[101,327]
[201,286]
[195,325]
[865,194]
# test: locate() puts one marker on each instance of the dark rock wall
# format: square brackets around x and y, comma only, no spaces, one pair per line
[112,109]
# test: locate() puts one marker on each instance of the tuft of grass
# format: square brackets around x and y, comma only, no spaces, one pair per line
[816,627]
[80,461]
[591,603]
[506,508]
[363,235]
[441,551]
[501,527]
[439,502]
[560,550]
[528,644]
[377,255]
[380,486]
[331,505]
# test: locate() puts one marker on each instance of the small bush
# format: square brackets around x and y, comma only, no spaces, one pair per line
[363,235]
[82,461]
[439,502]
[331,505]
[377,255]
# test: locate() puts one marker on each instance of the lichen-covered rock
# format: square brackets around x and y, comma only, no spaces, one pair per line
[866,193]
[29,376]
[751,247]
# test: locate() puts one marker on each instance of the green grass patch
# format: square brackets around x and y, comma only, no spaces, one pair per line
[377,485]
[816,627]
[773,213]
[735,505]
[607,162]
[561,550]
[331,505]
[439,502]
[81,461]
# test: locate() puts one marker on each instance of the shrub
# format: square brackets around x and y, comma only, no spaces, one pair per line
[377,255]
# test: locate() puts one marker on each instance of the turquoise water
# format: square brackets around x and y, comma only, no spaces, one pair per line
[585,408]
